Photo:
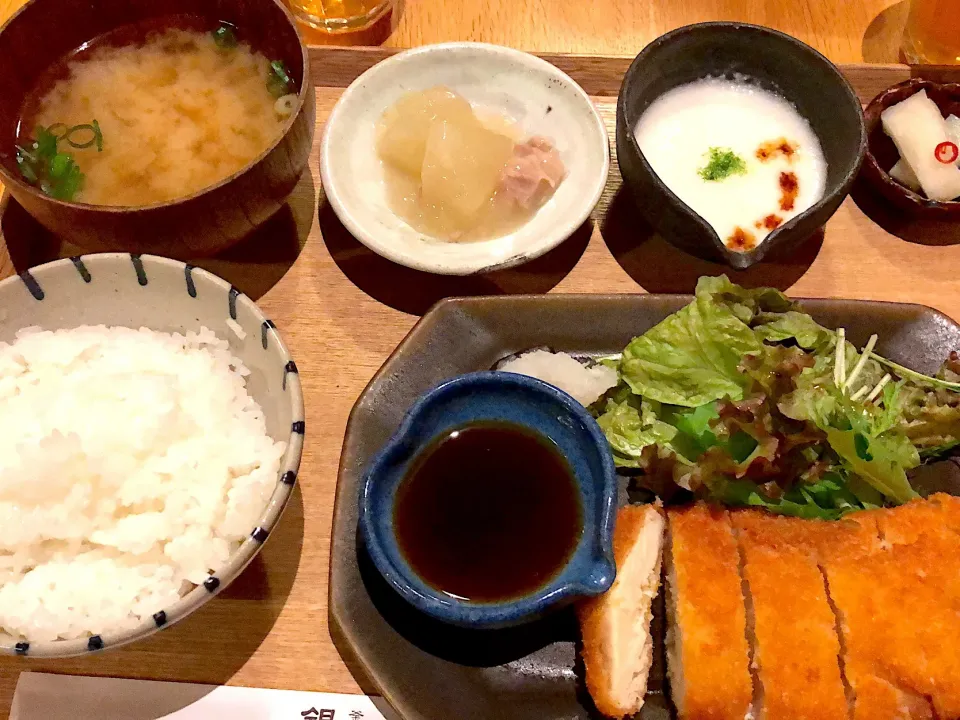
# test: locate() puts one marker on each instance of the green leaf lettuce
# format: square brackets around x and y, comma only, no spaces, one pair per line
[693,356]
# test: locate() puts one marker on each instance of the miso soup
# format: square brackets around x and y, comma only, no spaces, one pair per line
[174,112]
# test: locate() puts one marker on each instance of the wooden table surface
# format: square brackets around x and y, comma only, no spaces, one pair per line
[864,30]
[343,309]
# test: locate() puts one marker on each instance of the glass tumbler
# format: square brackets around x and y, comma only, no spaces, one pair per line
[932,35]
[339,16]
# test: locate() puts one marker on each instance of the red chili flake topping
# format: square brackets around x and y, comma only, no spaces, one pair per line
[946,152]
[789,189]
[741,240]
[771,222]
[773,148]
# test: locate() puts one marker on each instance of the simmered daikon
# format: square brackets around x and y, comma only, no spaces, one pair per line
[406,125]
[458,175]
[462,168]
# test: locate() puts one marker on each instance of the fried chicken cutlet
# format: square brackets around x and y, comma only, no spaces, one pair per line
[900,618]
[707,653]
[775,617]
[615,627]
[796,652]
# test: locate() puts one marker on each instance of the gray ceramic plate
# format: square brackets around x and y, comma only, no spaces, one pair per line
[429,671]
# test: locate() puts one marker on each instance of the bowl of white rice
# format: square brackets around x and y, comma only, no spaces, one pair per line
[151,427]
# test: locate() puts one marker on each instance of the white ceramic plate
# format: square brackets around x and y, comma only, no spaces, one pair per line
[541,99]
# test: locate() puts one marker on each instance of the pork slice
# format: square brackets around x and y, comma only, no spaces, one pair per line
[534,168]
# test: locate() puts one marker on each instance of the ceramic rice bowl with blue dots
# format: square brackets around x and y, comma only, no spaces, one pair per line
[119,289]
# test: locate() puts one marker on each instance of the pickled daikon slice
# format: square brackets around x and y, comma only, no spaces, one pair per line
[917,128]
[902,173]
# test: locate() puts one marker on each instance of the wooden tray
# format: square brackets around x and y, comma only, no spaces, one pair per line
[868,229]
[342,310]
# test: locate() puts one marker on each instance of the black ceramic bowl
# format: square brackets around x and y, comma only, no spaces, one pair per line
[776,62]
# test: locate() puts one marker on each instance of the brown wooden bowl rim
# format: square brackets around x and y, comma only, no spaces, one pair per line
[12,181]
[871,116]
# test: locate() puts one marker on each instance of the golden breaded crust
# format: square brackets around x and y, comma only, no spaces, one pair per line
[877,699]
[710,616]
[939,515]
[597,653]
[900,614]
[796,650]
[950,506]
[893,578]
[881,589]
[854,535]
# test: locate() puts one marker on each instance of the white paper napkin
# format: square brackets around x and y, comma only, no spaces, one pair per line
[41,696]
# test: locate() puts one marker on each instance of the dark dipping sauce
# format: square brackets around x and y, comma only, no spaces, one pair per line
[488,512]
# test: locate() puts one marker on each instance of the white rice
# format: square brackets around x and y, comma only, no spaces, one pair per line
[132,463]
[236,329]
[584,384]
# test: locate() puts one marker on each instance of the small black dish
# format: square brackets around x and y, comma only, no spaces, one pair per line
[882,153]
[776,62]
